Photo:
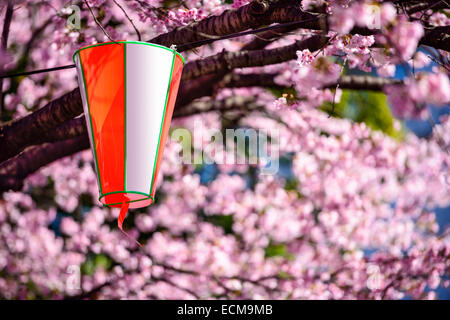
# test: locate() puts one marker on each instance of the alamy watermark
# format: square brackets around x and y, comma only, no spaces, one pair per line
[74,17]
[374,13]
[374,277]
[73,280]
[230,146]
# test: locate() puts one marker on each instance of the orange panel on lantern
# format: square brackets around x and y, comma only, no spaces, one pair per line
[104,76]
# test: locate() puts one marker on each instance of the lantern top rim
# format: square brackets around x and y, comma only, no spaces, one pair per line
[128,41]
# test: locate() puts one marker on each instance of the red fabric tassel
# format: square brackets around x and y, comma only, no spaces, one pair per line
[121,218]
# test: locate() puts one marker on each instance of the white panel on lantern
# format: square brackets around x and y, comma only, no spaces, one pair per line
[148,70]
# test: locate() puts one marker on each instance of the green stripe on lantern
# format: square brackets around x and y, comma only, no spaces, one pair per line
[126,41]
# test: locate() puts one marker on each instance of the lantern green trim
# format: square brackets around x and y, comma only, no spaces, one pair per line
[126,41]
[148,197]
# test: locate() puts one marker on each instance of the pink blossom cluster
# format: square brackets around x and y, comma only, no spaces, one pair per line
[405,37]
[309,79]
[428,88]
[354,48]
[304,57]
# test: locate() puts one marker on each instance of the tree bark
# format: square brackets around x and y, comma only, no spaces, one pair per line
[55,122]
[14,170]
[3,47]
[15,135]
[253,15]
[227,61]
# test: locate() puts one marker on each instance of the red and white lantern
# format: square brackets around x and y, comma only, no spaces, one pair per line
[128,90]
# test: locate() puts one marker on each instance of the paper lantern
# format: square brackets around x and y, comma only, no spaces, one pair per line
[128,89]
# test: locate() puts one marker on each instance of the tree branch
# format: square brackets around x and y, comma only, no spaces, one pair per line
[15,135]
[253,15]
[239,80]
[6,25]
[14,170]
[232,103]
[437,37]
[4,45]
[264,39]
[352,82]
[425,5]
[226,61]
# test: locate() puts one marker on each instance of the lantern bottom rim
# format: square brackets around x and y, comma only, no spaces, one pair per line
[135,199]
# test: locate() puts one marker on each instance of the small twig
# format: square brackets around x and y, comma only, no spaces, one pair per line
[98,22]
[3,46]
[337,87]
[27,73]
[439,62]
[129,19]
[173,284]
[325,45]
[334,100]
[211,38]
[7,23]
[429,7]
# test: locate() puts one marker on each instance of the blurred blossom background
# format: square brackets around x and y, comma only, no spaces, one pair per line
[359,208]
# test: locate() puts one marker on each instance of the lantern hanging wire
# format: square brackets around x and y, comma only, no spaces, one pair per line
[181,47]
